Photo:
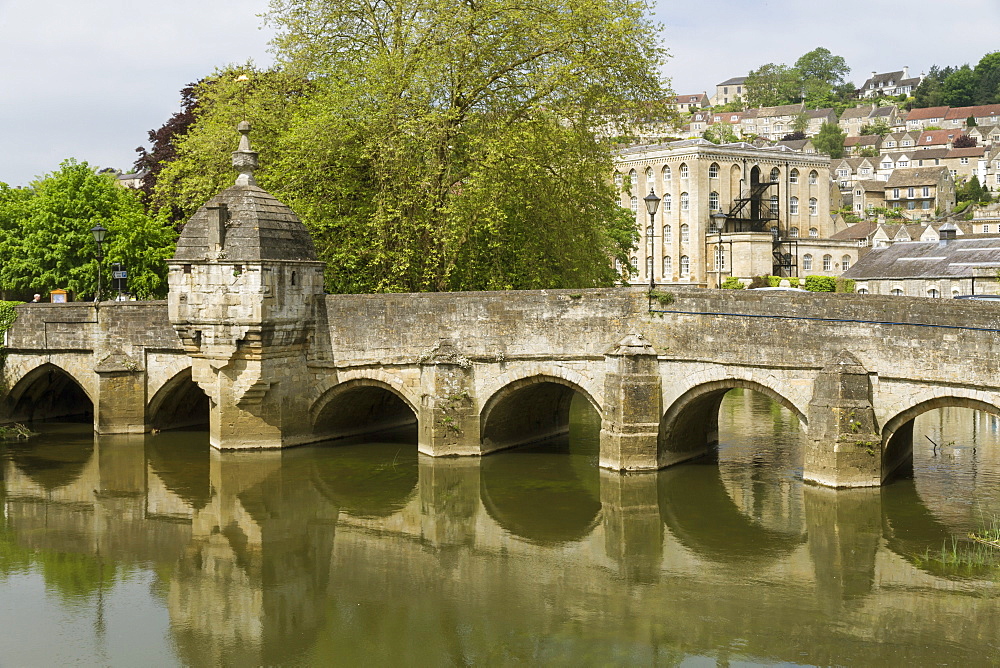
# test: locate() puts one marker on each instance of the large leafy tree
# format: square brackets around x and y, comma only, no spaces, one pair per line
[48,244]
[771,85]
[830,140]
[440,144]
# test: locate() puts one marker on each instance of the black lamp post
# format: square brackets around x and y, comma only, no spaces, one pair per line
[652,203]
[99,234]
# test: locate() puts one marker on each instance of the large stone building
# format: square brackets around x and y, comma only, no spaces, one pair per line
[731,210]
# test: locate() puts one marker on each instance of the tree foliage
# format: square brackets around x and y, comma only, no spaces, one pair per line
[964,141]
[879,127]
[830,140]
[720,133]
[817,78]
[961,86]
[771,85]
[48,245]
[440,145]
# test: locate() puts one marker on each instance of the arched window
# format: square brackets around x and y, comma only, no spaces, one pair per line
[896,292]
[649,267]
[845,263]
[813,177]
[668,234]
[685,233]
[827,263]
[635,204]
[813,207]
[685,202]
[685,265]
[862,291]
[649,177]
[933,293]
[955,292]
[668,267]
[807,262]
[793,233]
[619,180]
[649,231]
[618,266]
[635,263]
[793,206]
[775,175]
[774,204]
[793,176]
[713,201]
[633,180]
[684,170]
[713,170]
[668,204]
[666,173]
[813,232]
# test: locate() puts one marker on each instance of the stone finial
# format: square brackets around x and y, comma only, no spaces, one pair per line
[633,344]
[245,159]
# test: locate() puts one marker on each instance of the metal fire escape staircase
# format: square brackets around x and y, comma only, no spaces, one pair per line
[753,211]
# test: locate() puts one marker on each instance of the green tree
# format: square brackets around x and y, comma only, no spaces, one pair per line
[49,244]
[930,92]
[830,140]
[800,122]
[879,127]
[445,145]
[959,88]
[720,133]
[772,85]
[987,73]
[822,77]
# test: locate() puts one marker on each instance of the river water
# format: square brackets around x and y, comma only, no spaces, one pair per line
[157,551]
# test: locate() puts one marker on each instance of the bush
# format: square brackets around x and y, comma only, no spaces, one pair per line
[773,281]
[732,283]
[821,284]
[844,284]
[960,207]
[759,282]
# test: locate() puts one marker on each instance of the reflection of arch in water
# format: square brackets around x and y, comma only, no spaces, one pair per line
[56,459]
[365,479]
[691,424]
[48,391]
[897,434]
[696,508]
[182,461]
[179,403]
[538,493]
[528,410]
[361,406]
[909,528]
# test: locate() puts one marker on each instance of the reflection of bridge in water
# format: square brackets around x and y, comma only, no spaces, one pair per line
[268,554]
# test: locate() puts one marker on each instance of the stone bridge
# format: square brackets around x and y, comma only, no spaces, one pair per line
[479,372]
[248,343]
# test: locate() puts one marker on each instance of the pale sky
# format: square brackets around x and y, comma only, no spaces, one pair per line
[89,78]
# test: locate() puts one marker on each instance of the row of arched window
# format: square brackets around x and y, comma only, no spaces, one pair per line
[714,170]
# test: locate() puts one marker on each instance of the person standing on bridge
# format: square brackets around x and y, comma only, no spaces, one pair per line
[37,299]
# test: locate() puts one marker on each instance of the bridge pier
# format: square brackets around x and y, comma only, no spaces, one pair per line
[120,407]
[843,448]
[633,406]
[448,421]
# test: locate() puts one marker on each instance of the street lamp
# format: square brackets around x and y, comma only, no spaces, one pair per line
[99,233]
[652,203]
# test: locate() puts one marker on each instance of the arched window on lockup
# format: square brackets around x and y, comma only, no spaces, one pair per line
[668,267]
[650,183]
[619,180]
[635,204]
[775,175]
[684,170]
[813,207]
[713,201]
[793,176]
[668,203]
[827,263]
[807,262]
[793,233]
[813,177]
[649,231]
[633,180]
[685,265]
[713,170]
[773,202]
[685,202]
[668,233]
[666,174]
[845,263]
[685,233]
[793,206]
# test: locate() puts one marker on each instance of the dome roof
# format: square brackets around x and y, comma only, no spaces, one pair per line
[244,223]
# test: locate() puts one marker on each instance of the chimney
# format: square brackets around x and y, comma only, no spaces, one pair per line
[906,71]
[946,233]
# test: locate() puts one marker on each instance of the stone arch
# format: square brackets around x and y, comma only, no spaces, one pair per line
[179,402]
[47,390]
[530,408]
[897,429]
[360,405]
[691,422]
